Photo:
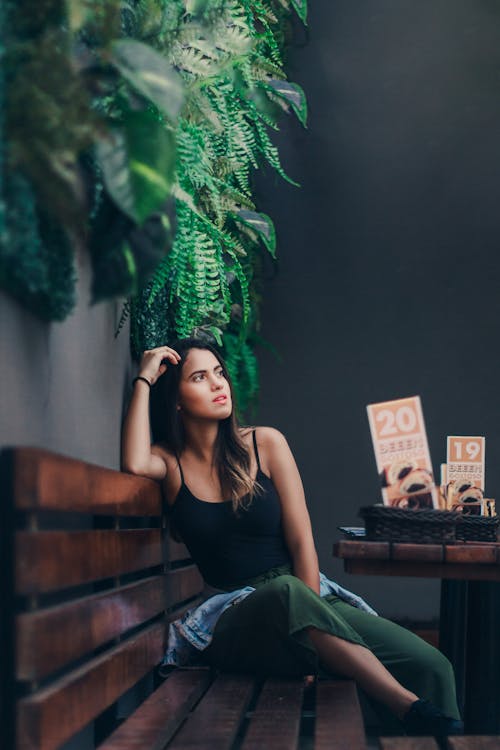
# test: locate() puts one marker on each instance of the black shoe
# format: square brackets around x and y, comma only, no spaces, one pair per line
[425,719]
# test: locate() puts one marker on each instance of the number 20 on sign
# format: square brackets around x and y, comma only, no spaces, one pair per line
[396,419]
[402,453]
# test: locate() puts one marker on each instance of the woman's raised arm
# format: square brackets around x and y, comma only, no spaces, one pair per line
[137,457]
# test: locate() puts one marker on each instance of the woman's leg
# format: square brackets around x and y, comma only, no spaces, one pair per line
[284,627]
[359,663]
[414,663]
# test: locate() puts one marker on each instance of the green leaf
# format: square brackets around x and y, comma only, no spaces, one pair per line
[138,165]
[262,225]
[217,334]
[130,261]
[301,8]
[293,94]
[150,74]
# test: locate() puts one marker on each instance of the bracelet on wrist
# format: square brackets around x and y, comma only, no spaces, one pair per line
[141,377]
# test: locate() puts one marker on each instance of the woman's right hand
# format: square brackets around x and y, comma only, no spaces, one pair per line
[152,364]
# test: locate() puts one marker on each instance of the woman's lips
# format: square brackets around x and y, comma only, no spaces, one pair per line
[220,399]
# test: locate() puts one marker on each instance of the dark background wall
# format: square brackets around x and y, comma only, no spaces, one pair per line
[388,277]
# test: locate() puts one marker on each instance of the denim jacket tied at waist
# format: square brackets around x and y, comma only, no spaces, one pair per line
[193,632]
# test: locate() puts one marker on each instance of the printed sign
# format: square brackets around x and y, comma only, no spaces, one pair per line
[465,474]
[402,453]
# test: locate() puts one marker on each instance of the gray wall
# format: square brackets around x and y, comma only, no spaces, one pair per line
[63,387]
[389,275]
[63,383]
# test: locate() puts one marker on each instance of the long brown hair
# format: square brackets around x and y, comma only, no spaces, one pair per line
[231,456]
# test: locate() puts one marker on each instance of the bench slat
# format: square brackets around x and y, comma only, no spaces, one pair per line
[275,724]
[214,723]
[52,715]
[48,481]
[184,583]
[177,551]
[52,560]
[339,721]
[408,743]
[153,724]
[83,625]
[474,743]
[87,623]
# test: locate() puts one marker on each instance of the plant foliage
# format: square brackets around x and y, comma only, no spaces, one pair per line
[136,125]
[90,117]
[229,53]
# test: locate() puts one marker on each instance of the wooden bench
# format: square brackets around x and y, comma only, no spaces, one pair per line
[90,580]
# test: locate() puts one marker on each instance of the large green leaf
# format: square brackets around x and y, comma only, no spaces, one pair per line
[293,94]
[150,74]
[138,163]
[262,225]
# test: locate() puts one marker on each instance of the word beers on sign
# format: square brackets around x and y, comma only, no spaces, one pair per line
[465,474]
[402,454]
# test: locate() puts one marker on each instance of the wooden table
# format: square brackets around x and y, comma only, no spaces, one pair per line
[469,629]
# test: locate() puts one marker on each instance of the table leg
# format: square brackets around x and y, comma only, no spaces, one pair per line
[453,631]
[469,635]
[482,688]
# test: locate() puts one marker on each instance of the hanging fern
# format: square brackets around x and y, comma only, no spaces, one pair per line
[243,369]
[229,53]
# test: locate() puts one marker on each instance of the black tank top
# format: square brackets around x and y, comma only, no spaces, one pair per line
[231,547]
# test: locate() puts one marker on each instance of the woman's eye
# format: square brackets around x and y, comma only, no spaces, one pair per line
[198,377]
[221,373]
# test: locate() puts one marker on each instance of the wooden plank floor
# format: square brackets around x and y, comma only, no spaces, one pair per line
[155,722]
[214,723]
[196,709]
[275,723]
[339,722]
[408,743]
[473,743]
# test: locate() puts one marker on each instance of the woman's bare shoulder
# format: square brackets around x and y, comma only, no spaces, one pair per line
[266,436]
[271,445]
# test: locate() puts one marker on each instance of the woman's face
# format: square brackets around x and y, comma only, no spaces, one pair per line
[203,388]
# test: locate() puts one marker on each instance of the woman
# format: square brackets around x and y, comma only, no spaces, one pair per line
[237,501]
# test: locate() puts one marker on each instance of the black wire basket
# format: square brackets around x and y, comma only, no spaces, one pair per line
[476,528]
[426,526]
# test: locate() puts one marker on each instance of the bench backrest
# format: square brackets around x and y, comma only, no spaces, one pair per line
[90,581]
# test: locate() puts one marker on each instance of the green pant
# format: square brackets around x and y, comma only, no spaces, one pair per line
[265,634]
